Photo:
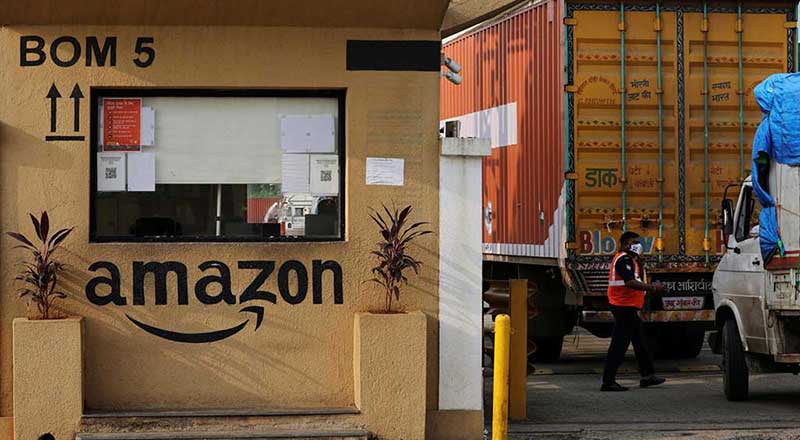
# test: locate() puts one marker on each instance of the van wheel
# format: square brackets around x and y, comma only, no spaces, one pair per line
[735,374]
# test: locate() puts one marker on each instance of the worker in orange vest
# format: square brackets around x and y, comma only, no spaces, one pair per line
[626,289]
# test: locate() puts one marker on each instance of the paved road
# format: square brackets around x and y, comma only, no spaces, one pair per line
[564,401]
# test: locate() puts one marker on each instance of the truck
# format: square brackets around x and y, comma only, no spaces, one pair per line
[756,284]
[613,116]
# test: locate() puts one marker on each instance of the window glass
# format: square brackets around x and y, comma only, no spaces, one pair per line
[176,167]
[748,214]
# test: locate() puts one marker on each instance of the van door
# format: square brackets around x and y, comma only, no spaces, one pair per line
[741,273]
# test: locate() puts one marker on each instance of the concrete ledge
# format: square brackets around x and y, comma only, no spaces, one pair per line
[390,367]
[280,435]
[466,147]
[223,413]
[48,377]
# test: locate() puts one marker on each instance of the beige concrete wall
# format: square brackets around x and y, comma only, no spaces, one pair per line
[6,427]
[47,376]
[390,368]
[302,355]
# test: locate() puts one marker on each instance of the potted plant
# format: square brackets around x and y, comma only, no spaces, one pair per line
[393,260]
[390,346]
[47,348]
[40,272]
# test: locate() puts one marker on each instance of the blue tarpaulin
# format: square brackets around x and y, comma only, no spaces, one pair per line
[777,139]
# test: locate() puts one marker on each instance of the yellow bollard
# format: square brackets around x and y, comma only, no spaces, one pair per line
[502,340]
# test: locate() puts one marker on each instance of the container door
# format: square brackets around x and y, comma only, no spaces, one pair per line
[764,52]
[598,95]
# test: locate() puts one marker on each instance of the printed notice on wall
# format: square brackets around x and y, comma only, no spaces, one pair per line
[142,172]
[325,174]
[295,173]
[110,172]
[385,171]
[308,134]
[122,124]
[148,126]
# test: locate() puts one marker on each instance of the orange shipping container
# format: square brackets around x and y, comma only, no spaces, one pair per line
[512,91]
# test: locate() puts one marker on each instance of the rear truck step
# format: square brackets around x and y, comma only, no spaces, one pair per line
[605,316]
[787,358]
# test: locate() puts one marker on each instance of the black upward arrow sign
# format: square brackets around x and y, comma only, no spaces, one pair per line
[53,95]
[77,95]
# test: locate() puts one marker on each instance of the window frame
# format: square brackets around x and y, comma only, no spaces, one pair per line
[744,214]
[98,93]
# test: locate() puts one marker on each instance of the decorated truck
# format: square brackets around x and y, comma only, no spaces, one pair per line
[606,117]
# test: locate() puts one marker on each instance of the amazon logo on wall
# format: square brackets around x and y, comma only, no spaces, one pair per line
[213,288]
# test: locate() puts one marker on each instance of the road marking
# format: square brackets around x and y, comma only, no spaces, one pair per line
[543,372]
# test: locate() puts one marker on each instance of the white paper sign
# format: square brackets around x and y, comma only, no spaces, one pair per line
[325,174]
[385,171]
[308,134]
[295,173]
[111,172]
[142,172]
[148,126]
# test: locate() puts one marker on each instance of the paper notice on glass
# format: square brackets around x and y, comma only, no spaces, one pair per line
[142,172]
[295,173]
[148,126]
[385,171]
[325,174]
[110,172]
[308,134]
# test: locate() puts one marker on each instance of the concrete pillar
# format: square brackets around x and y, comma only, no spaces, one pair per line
[460,278]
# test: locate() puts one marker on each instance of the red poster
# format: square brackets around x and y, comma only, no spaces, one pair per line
[122,124]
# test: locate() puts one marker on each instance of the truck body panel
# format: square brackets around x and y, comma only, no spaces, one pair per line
[512,93]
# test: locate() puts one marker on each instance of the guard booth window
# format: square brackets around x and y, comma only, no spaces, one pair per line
[190,165]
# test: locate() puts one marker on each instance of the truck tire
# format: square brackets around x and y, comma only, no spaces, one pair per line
[677,342]
[693,343]
[547,349]
[735,374]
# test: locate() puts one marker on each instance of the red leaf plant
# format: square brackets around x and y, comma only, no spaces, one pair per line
[392,258]
[39,274]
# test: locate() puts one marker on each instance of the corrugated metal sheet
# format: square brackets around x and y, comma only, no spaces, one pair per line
[257,208]
[598,120]
[512,92]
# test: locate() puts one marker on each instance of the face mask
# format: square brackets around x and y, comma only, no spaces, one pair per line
[636,248]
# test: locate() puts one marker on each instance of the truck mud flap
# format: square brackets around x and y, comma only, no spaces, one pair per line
[590,316]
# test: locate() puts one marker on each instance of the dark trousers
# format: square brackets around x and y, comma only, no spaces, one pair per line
[627,329]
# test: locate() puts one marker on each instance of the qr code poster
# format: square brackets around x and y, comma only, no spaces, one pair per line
[325,174]
[111,171]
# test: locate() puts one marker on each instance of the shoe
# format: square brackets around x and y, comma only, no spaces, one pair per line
[613,387]
[651,381]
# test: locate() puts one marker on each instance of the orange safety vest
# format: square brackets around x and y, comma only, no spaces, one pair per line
[618,293]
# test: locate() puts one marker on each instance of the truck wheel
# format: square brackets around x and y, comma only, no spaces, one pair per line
[547,349]
[735,374]
[693,343]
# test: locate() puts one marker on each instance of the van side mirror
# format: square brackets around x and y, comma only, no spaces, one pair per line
[727,217]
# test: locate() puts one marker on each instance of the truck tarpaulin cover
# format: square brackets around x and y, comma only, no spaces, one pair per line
[778,139]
